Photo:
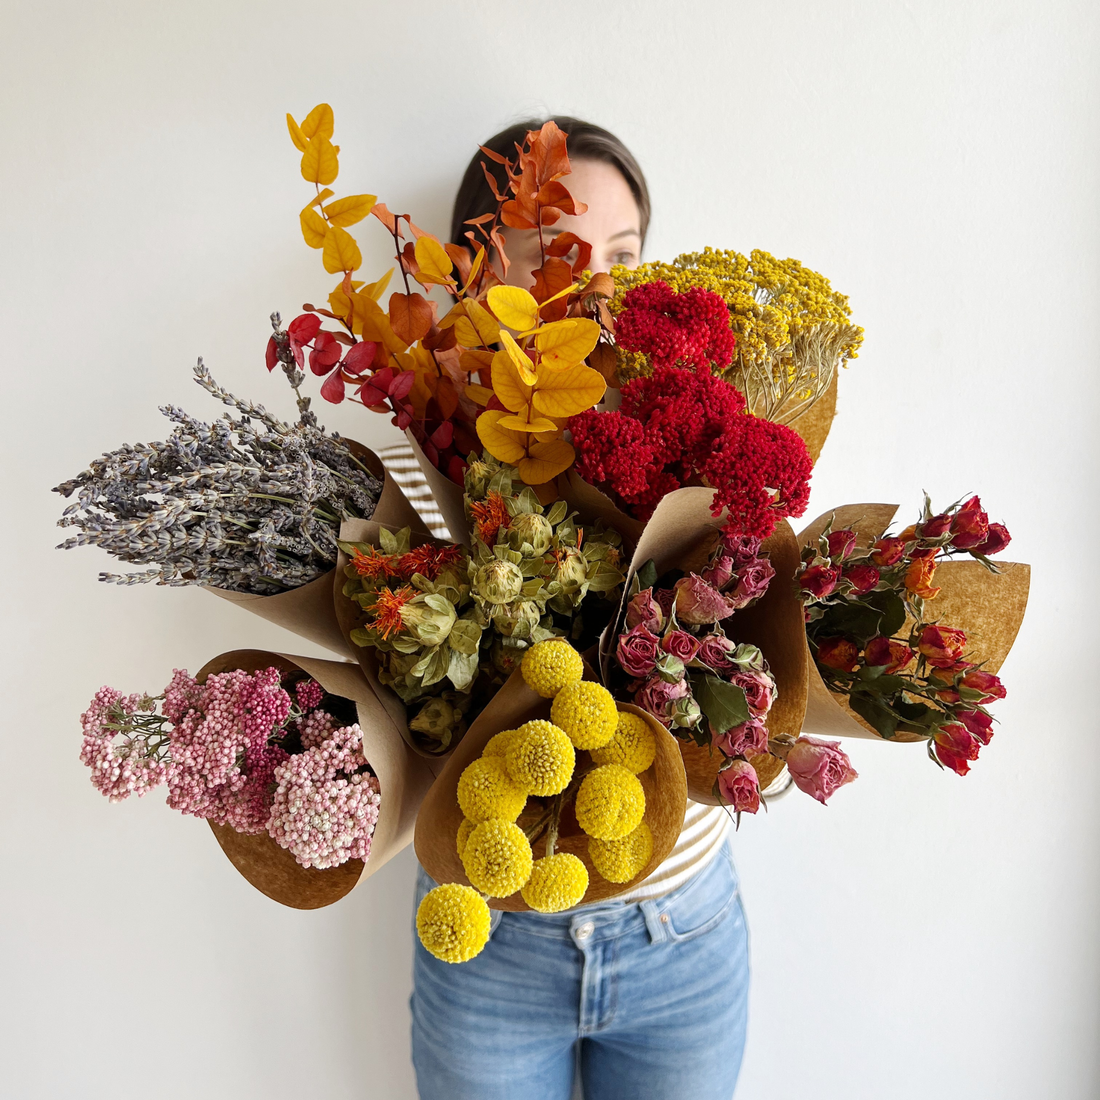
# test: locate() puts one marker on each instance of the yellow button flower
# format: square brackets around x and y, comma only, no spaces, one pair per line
[550,666]
[485,790]
[610,802]
[587,713]
[464,831]
[497,858]
[634,745]
[499,743]
[541,758]
[557,882]
[453,922]
[621,860]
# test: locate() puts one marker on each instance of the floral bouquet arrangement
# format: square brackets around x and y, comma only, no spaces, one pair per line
[624,616]
[557,794]
[877,642]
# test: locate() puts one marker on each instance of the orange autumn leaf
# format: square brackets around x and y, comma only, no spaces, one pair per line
[556,194]
[349,210]
[565,343]
[501,443]
[568,392]
[319,161]
[319,122]
[341,253]
[410,316]
[545,461]
[475,268]
[300,140]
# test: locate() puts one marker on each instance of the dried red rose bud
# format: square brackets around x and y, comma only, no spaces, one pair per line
[942,646]
[838,653]
[863,578]
[997,539]
[819,580]
[841,544]
[887,552]
[887,654]
[970,525]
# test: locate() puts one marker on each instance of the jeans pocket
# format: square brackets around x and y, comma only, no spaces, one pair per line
[703,904]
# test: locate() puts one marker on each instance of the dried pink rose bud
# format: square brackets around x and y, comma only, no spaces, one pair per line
[818,767]
[698,602]
[739,787]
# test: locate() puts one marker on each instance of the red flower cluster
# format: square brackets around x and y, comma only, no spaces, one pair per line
[691,329]
[428,560]
[678,427]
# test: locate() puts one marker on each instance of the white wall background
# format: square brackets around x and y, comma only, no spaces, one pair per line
[922,936]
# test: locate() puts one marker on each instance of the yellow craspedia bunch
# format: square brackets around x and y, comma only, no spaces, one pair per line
[486,790]
[549,666]
[499,743]
[497,858]
[541,758]
[463,834]
[610,802]
[557,882]
[620,860]
[634,745]
[587,713]
[453,922]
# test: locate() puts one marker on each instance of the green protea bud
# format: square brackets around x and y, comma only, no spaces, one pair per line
[530,533]
[478,475]
[429,618]
[439,720]
[517,619]
[498,582]
[506,658]
[570,568]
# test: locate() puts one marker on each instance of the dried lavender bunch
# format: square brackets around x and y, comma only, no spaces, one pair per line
[249,504]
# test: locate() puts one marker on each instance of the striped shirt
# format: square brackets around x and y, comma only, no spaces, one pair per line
[705,827]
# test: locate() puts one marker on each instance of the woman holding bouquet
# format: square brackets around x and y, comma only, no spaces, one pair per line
[645,995]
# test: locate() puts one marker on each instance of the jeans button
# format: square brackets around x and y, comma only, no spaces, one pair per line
[585,930]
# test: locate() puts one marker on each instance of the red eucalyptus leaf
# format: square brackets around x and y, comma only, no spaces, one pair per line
[303,328]
[325,354]
[332,389]
[272,356]
[360,356]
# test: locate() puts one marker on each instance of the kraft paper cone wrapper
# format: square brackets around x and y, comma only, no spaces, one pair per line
[308,611]
[680,535]
[515,703]
[814,424]
[989,607]
[349,615]
[447,495]
[403,781]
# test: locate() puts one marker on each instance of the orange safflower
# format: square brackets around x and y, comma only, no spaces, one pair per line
[372,564]
[387,609]
[490,514]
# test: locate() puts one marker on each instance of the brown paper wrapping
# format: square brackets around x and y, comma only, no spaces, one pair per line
[515,703]
[308,611]
[403,780]
[680,534]
[349,615]
[989,607]
[814,424]
[448,495]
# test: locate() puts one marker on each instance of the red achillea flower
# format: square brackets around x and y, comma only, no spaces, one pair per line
[428,560]
[677,428]
[490,515]
[691,329]
[387,610]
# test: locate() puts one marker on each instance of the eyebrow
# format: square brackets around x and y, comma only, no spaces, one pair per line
[614,236]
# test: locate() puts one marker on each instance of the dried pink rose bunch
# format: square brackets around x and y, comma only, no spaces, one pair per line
[239,750]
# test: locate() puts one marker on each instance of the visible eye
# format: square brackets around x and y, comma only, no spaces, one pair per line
[625,257]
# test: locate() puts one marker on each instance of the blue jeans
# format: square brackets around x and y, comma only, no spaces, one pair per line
[650,997]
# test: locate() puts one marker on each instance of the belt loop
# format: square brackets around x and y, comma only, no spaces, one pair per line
[658,929]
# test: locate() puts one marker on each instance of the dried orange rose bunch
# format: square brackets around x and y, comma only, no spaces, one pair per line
[462,381]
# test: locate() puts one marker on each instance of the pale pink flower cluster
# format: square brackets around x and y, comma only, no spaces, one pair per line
[315,728]
[125,756]
[326,802]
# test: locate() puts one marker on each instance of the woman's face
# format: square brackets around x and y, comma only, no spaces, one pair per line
[612,224]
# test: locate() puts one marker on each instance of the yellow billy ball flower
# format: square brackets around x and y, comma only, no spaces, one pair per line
[541,758]
[620,860]
[586,712]
[549,666]
[464,831]
[485,790]
[557,882]
[453,922]
[610,802]
[497,858]
[499,743]
[634,745]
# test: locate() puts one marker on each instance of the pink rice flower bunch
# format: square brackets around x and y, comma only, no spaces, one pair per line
[326,802]
[124,744]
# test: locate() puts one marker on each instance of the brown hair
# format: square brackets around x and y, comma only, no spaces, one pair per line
[586,142]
